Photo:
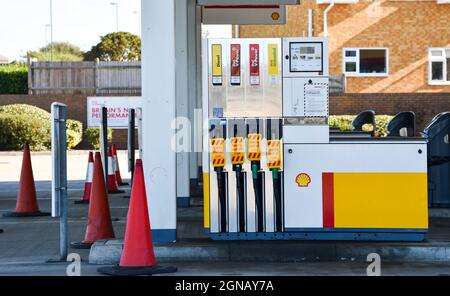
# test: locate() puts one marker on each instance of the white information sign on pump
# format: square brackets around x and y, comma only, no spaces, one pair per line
[316,100]
[118,108]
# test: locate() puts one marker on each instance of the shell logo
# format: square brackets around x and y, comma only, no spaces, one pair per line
[275,16]
[303,180]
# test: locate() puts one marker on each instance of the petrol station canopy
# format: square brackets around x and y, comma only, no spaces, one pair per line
[248,12]
[247,2]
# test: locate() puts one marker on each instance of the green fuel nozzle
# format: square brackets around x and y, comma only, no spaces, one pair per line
[255,171]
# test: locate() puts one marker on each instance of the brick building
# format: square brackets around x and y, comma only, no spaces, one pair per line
[382,46]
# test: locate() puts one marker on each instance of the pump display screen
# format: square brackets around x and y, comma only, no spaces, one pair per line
[306,57]
[307,50]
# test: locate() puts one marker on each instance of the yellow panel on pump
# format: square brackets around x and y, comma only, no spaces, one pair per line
[206,203]
[381,200]
[217,64]
[273,59]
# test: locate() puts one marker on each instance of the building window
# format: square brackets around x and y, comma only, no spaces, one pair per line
[439,66]
[362,62]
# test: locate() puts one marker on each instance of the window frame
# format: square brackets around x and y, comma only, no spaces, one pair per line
[357,60]
[443,59]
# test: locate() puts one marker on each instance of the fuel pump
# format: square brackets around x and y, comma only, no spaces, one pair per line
[243,88]
[218,159]
[237,160]
[254,155]
[267,105]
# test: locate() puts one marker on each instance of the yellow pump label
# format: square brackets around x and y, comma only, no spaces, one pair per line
[237,150]
[274,154]
[218,152]
[254,147]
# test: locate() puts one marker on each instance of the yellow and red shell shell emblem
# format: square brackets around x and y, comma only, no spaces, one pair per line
[275,16]
[303,180]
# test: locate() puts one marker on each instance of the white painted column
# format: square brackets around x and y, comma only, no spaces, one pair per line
[192,82]
[199,71]
[182,105]
[158,92]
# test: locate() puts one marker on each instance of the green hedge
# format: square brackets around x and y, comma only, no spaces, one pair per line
[344,123]
[36,128]
[15,131]
[14,79]
[92,136]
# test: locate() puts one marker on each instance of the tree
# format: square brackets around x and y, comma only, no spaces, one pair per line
[63,52]
[120,46]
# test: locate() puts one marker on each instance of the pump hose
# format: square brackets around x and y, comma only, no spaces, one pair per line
[258,196]
[277,195]
[222,199]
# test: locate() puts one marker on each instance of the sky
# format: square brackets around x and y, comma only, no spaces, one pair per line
[80,22]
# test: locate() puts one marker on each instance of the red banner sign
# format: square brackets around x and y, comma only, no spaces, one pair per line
[254,64]
[235,64]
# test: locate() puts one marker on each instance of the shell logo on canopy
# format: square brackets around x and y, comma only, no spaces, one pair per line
[303,180]
[275,16]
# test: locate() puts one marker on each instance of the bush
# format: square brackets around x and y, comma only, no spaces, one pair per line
[14,79]
[16,130]
[24,109]
[41,126]
[344,123]
[92,136]
[73,139]
[75,126]
[74,133]
[382,123]
[62,52]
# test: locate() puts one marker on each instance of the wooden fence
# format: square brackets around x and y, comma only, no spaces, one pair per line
[94,78]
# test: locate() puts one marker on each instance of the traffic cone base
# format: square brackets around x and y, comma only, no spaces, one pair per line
[81,202]
[113,187]
[25,215]
[120,182]
[116,192]
[136,271]
[81,246]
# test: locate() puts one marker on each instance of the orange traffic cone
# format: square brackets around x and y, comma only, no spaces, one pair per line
[88,183]
[99,224]
[27,205]
[138,257]
[113,187]
[117,167]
